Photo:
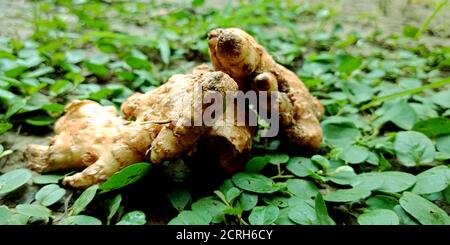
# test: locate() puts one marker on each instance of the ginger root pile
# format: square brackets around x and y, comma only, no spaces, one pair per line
[94,137]
[159,125]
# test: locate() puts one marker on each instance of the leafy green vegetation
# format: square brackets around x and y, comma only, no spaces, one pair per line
[386,128]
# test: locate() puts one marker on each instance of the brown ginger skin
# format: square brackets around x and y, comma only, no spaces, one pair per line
[236,53]
[170,102]
[95,138]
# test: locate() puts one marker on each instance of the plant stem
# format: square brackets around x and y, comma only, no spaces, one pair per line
[429,19]
[379,100]
[282,176]
[241,220]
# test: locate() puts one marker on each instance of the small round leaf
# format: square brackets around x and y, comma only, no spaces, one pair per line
[263,215]
[254,183]
[379,217]
[133,218]
[49,194]
[14,179]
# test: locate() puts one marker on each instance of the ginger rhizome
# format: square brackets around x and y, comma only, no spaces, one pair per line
[236,53]
[94,137]
[161,124]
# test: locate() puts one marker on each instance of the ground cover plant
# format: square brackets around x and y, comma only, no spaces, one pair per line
[386,149]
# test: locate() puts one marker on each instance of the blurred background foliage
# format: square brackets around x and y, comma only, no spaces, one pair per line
[381,68]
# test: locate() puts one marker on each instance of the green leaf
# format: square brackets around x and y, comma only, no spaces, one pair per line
[133,218]
[440,156]
[442,99]
[19,219]
[373,159]
[16,71]
[369,181]
[343,175]
[75,56]
[426,212]
[5,127]
[278,201]
[404,217]
[164,50]
[254,183]
[80,220]
[395,182]
[358,92]
[137,63]
[256,164]
[113,206]
[99,70]
[39,72]
[36,102]
[433,180]
[339,131]
[34,210]
[433,127]
[378,217]
[6,54]
[14,179]
[322,161]
[283,217]
[84,199]
[5,215]
[263,215]
[49,194]
[424,111]
[413,148]
[247,201]
[446,193]
[301,166]
[5,153]
[47,179]
[302,188]
[410,31]
[347,63]
[381,202]
[347,195]
[221,196]
[321,211]
[197,3]
[53,108]
[226,185]
[277,158]
[232,194]
[100,94]
[398,112]
[355,154]
[125,177]
[443,143]
[303,213]
[436,196]
[179,198]
[189,218]
[16,106]
[210,207]
[60,86]
[100,59]
[40,120]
